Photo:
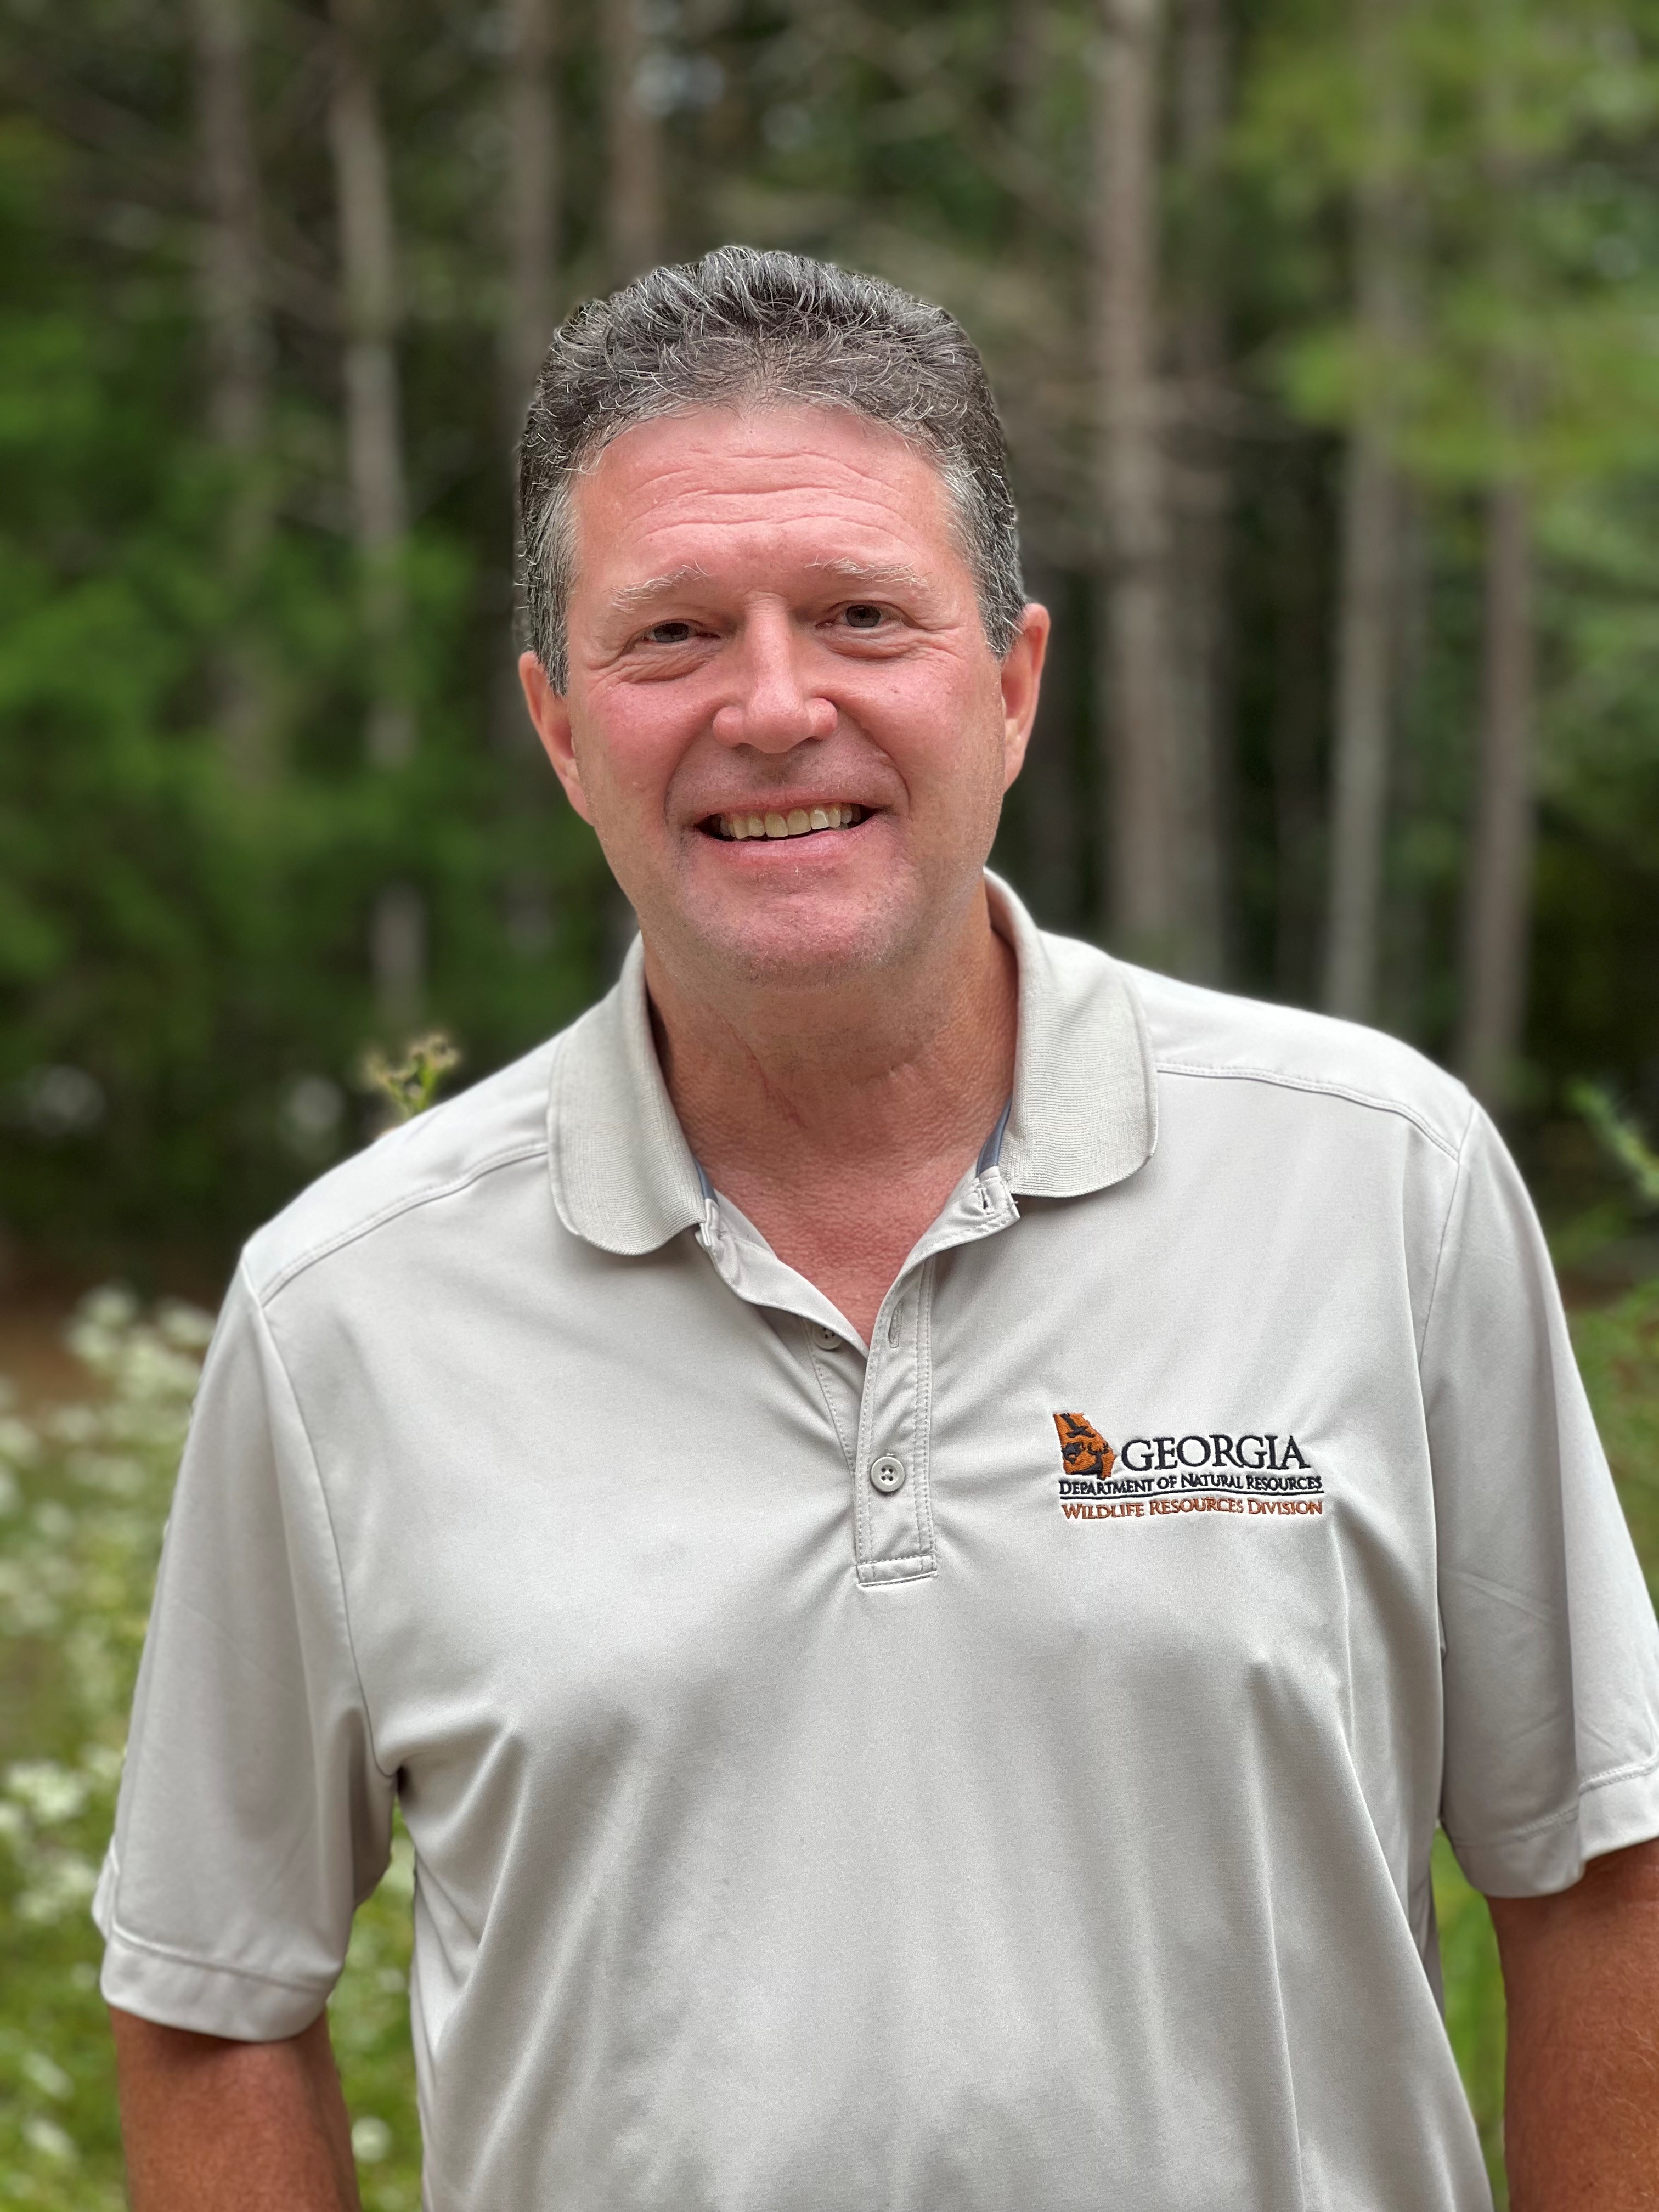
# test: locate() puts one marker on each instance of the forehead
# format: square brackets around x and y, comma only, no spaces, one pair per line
[719,487]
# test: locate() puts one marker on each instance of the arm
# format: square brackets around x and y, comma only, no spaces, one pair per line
[1580,1976]
[213,2125]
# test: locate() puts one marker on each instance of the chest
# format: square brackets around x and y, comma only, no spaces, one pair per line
[1077,1452]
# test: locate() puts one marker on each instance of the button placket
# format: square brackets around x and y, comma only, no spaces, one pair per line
[887,1393]
[893,1520]
[839,1371]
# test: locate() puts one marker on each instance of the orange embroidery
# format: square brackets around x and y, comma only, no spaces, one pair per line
[1084,1452]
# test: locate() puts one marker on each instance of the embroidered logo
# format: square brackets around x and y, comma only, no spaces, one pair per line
[1085,1453]
[1261,1473]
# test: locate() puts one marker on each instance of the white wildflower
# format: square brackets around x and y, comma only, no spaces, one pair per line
[185,1326]
[370,2140]
[113,1306]
[52,1793]
[63,1885]
[47,2075]
[18,1442]
[49,2139]
[73,1425]
[54,1521]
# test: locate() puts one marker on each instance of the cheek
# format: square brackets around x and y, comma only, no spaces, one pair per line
[952,747]
[629,738]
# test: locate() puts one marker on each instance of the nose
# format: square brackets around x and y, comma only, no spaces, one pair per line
[774,707]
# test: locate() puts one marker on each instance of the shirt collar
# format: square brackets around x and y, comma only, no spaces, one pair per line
[1084,1113]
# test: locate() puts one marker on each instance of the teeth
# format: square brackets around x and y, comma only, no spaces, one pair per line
[800,822]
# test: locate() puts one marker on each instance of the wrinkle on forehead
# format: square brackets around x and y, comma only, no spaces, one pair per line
[777,481]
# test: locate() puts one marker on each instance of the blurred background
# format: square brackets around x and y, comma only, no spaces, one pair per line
[1327,334]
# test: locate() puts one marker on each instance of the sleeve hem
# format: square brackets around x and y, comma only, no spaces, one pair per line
[1611,1813]
[207,1999]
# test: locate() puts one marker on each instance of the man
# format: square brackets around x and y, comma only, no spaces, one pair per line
[923,1525]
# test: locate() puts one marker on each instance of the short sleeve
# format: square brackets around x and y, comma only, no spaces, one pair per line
[1551,1651]
[252,1819]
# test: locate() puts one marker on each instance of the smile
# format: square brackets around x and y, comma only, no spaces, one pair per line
[800,822]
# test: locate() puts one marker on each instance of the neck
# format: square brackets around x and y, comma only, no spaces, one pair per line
[840,1118]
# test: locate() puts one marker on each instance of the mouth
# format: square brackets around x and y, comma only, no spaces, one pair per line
[798,822]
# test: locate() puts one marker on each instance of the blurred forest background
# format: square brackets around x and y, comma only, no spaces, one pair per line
[1327,333]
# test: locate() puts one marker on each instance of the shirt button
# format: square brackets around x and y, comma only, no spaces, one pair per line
[827,1340]
[887,1473]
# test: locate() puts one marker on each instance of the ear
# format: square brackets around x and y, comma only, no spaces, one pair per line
[1022,680]
[551,716]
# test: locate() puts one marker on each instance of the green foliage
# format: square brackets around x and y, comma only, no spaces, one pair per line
[1501,140]
[181,947]
[184,949]
[83,1494]
[1475,2003]
[411,1086]
[1620,1138]
[1619,1351]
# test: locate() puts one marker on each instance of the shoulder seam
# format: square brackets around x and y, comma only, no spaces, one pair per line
[263,1321]
[1446,1233]
[1315,1083]
[406,1204]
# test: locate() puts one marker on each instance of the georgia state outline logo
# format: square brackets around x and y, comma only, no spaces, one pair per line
[1084,1452]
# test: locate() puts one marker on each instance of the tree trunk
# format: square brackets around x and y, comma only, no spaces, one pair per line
[1048,790]
[1368,631]
[1048,801]
[1136,685]
[238,369]
[1296,559]
[380,498]
[534,207]
[1498,905]
[1404,968]
[1202,491]
[1366,634]
[633,190]
[533,196]
[1025,67]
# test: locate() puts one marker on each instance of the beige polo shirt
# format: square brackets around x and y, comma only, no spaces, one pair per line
[995,1766]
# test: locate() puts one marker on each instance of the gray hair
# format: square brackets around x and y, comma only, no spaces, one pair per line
[746,327]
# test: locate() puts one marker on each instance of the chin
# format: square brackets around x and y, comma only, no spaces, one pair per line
[808,944]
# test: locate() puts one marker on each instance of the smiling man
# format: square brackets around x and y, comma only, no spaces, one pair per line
[923,1525]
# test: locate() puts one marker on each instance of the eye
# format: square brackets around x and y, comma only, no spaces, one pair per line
[669,632]
[863,616]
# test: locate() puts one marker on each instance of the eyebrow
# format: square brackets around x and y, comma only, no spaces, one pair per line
[873,572]
[654,587]
[873,575]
